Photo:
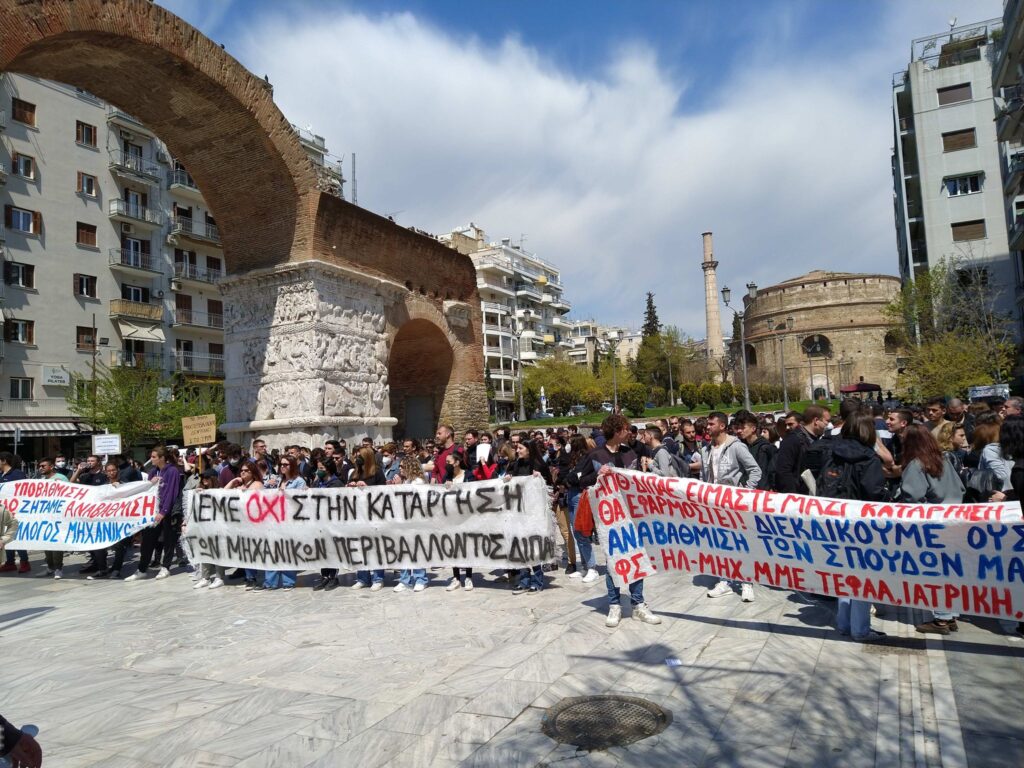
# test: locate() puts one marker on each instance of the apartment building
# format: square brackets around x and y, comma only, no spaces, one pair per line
[592,340]
[523,307]
[91,195]
[948,163]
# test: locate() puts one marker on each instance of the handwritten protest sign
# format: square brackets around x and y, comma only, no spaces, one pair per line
[492,524]
[77,518]
[197,430]
[959,557]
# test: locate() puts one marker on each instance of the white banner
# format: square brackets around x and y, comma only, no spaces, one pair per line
[491,524]
[77,518]
[956,557]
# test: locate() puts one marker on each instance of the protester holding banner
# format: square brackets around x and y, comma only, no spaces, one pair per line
[367,473]
[529,461]
[578,463]
[291,479]
[326,476]
[10,469]
[170,483]
[54,558]
[410,472]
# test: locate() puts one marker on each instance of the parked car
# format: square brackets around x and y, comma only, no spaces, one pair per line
[607,407]
[577,410]
[543,415]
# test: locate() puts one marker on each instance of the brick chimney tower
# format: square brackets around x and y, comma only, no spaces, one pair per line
[715,346]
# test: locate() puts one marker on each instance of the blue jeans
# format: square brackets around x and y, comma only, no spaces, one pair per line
[411,576]
[275,579]
[532,577]
[853,617]
[583,543]
[251,574]
[22,555]
[364,576]
[636,591]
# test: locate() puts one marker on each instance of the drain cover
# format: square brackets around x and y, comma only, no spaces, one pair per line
[600,722]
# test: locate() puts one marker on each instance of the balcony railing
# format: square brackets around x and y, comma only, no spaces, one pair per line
[492,306]
[127,161]
[183,271]
[121,359]
[183,225]
[1017,233]
[182,178]
[124,257]
[113,113]
[45,406]
[141,213]
[188,362]
[530,291]
[493,285]
[198,319]
[140,310]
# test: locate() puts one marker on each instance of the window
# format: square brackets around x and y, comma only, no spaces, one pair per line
[83,337]
[963,185]
[23,112]
[21,389]
[214,266]
[23,165]
[954,94]
[968,230]
[86,234]
[20,331]
[86,184]
[85,285]
[135,293]
[30,222]
[85,134]
[957,140]
[21,275]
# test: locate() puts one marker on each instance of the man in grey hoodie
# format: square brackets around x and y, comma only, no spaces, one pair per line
[726,460]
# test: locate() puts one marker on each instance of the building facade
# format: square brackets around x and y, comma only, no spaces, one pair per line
[825,329]
[524,310]
[948,164]
[92,196]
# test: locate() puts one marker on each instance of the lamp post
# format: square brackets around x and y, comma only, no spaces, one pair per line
[787,326]
[752,294]
[613,342]
[518,326]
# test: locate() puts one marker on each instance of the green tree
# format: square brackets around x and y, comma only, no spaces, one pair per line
[489,384]
[948,365]
[689,394]
[652,326]
[633,397]
[727,392]
[710,394]
[659,396]
[561,399]
[592,398]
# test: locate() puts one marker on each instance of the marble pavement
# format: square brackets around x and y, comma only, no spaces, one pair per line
[157,674]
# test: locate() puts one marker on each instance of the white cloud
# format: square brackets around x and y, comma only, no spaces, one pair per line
[612,176]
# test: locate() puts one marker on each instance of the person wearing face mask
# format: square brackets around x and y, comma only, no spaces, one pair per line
[327,477]
[232,453]
[60,466]
[389,462]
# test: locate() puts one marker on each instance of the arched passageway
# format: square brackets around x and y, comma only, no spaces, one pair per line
[419,368]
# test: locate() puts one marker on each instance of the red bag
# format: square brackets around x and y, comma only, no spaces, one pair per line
[584,517]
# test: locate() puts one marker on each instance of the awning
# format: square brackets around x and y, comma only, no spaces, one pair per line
[40,428]
[860,386]
[131,330]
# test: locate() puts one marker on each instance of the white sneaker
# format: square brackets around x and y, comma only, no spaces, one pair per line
[419,587]
[137,576]
[58,574]
[358,585]
[721,589]
[577,574]
[216,583]
[163,574]
[452,585]
[614,616]
[591,576]
[400,587]
[747,593]
[201,583]
[643,613]
[468,586]
[377,586]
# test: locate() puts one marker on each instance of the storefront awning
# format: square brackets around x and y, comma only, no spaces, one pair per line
[139,332]
[40,428]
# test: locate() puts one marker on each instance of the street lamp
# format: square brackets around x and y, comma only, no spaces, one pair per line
[781,336]
[751,294]
[613,342]
[517,328]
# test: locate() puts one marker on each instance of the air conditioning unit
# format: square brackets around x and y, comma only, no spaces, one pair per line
[159,294]
[162,157]
[127,229]
[176,285]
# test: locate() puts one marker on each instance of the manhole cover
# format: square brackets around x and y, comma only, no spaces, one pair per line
[600,722]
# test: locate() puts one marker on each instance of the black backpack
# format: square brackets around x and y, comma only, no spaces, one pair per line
[767,480]
[680,467]
[837,479]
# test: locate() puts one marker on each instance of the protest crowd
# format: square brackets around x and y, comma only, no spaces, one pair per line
[945,452]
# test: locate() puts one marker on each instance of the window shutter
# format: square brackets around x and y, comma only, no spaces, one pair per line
[968,230]
[8,215]
[8,272]
[145,295]
[954,94]
[74,284]
[30,332]
[37,222]
[8,330]
[124,291]
[79,182]
[957,140]
[145,200]
[14,163]
[145,247]
[30,275]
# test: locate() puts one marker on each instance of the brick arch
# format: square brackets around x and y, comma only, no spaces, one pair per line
[420,366]
[214,115]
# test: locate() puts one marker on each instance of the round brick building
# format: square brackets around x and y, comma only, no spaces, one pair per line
[828,327]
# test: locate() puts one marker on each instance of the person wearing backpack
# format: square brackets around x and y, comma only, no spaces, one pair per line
[853,470]
[763,451]
[661,462]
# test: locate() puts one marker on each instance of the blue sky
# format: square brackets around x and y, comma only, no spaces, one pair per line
[611,134]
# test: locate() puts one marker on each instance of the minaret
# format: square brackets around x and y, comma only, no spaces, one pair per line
[714,344]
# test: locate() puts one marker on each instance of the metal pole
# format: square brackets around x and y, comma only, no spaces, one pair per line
[671,387]
[810,368]
[519,359]
[615,380]
[782,358]
[95,349]
[743,361]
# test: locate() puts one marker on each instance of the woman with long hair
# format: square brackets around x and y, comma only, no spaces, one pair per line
[985,446]
[529,462]
[929,478]
[291,479]
[410,472]
[578,464]
[367,473]
[326,476]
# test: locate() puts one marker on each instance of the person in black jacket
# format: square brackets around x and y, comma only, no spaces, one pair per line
[788,462]
[10,469]
[763,452]
[529,461]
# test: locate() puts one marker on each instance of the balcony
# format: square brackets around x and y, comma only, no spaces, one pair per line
[1008,119]
[1014,175]
[495,328]
[561,305]
[132,123]
[192,273]
[907,124]
[130,213]
[182,182]
[497,263]
[149,360]
[1017,233]
[491,306]
[3,233]
[492,285]
[134,166]
[3,119]
[48,407]
[528,291]
[137,310]
[202,232]
[205,365]
[133,262]
[528,356]
[193,319]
